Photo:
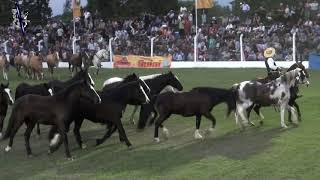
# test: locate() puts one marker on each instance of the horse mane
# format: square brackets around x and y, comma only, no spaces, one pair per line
[289,76]
[111,92]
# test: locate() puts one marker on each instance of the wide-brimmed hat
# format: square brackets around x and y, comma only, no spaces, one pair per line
[269,52]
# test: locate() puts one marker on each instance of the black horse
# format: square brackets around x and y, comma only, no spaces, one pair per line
[42,89]
[156,84]
[54,110]
[5,100]
[197,102]
[81,75]
[293,93]
[109,112]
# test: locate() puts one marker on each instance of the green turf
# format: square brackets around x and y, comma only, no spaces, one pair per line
[258,153]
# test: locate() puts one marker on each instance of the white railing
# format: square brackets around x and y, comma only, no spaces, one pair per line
[74,44]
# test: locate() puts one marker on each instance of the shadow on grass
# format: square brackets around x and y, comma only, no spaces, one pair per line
[234,145]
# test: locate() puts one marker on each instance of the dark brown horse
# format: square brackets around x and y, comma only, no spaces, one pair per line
[197,102]
[54,110]
[42,89]
[77,60]
[109,112]
[5,100]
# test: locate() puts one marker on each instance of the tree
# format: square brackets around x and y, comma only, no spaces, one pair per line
[67,7]
[5,12]
[38,10]
[129,8]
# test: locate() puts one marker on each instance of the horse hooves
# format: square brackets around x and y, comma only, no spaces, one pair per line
[98,142]
[83,146]
[70,158]
[30,156]
[38,136]
[130,147]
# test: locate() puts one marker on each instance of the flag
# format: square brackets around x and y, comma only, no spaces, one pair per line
[204,4]
[76,8]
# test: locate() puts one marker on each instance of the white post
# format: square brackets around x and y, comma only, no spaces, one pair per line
[39,45]
[294,47]
[110,47]
[74,27]
[241,48]
[195,47]
[152,43]
[6,46]
[196,12]
[74,44]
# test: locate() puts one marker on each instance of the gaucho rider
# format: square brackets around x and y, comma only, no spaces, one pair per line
[272,68]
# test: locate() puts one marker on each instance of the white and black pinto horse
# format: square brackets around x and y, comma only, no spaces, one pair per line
[156,83]
[276,93]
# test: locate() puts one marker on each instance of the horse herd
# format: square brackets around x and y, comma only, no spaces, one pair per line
[59,104]
[32,63]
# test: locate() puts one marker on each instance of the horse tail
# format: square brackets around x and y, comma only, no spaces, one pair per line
[231,100]
[10,125]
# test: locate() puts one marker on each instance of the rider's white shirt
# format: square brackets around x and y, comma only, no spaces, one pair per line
[272,64]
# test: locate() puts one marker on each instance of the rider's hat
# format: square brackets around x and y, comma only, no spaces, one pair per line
[269,52]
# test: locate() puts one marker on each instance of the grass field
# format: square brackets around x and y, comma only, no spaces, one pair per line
[258,153]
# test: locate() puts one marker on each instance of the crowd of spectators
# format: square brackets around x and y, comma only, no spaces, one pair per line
[173,33]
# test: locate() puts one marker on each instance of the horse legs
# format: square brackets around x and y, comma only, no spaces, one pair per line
[1,124]
[38,129]
[27,134]
[145,111]
[55,142]
[65,141]
[212,119]
[76,131]
[154,117]
[107,135]
[13,133]
[282,111]
[132,115]
[197,134]
[162,117]
[258,112]
[18,67]
[122,133]
[298,111]
[5,74]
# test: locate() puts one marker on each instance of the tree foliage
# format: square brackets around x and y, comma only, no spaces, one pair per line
[127,8]
[38,10]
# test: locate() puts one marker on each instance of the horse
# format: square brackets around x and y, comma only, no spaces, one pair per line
[42,89]
[22,61]
[5,100]
[4,65]
[53,61]
[98,57]
[109,112]
[156,83]
[293,92]
[198,102]
[76,61]
[81,75]
[36,66]
[49,110]
[276,92]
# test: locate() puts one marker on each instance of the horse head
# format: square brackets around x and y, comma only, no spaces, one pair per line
[304,73]
[301,76]
[174,81]
[6,93]
[84,75]
[88,92]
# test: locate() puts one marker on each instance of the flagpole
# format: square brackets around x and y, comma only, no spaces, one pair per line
[196,36]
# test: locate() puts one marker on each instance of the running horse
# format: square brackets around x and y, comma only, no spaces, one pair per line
[36,68]
[274,93]
[56,110]
[77,60]
[22,61]
[98,57]
[53,61]
[293,91]
[4,65]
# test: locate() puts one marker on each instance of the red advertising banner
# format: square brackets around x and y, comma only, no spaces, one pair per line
[141,62]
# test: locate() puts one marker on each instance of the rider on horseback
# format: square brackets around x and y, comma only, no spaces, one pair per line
[272,68]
